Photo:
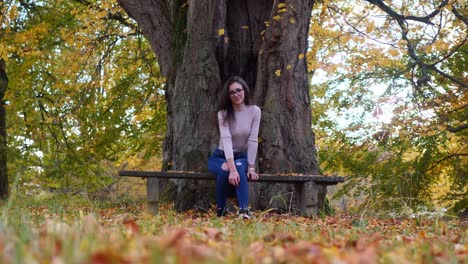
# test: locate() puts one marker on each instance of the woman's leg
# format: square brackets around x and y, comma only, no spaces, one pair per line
[215,165]
[242,191]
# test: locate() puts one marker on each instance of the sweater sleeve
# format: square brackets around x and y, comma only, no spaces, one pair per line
[225,135]
[252,143]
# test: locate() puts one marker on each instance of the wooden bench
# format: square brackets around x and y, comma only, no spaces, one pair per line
[152,184]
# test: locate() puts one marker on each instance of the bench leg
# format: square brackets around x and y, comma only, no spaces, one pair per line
[152,194]
[300,192]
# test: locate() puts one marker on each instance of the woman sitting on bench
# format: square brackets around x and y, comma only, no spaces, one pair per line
[234,159]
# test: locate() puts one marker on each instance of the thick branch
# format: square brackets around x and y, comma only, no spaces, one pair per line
[153,17]
[459,16]
[395,15]
[456,129]
[121,19]
[402,22]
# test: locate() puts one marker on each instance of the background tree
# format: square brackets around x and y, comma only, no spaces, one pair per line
[3,88]
[3,146]
[412,53]
[84,86]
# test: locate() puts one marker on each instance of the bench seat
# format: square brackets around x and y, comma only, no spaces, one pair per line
[298,181]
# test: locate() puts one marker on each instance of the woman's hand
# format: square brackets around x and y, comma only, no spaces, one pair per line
[234,178]
[252,175]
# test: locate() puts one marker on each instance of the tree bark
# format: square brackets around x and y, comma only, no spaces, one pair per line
[201,43]
[282,90]
[3,146]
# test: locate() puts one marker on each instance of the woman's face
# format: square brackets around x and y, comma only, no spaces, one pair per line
[236,93]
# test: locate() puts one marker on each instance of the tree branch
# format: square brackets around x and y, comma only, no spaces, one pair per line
[444,159]
[121,19]
[453,79]
[153,17]
[402,22]
[336,10]
[458,15]
[396,16]
[456,129]
[450,53]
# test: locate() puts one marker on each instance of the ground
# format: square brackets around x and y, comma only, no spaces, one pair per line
[74,230]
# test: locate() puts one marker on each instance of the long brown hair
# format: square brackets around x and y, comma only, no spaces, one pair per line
[225,103]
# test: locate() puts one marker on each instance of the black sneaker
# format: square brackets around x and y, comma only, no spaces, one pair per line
[244,214]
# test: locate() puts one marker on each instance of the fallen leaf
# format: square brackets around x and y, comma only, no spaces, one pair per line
[213,233]
[132,227]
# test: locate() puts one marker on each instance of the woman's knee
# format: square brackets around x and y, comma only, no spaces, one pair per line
[224,166]
[241,164]
[217,166]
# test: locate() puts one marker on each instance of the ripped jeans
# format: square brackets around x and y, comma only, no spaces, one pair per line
[223,187]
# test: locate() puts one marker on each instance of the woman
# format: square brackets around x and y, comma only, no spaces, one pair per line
[233,161]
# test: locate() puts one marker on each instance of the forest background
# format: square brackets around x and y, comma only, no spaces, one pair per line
[85,98]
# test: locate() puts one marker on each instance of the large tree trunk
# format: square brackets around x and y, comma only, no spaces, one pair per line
[3,146]
[282,90]
[199,44]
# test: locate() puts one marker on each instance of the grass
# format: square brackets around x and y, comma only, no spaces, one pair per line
[64,229]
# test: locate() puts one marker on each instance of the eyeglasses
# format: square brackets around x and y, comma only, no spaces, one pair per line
[236,91]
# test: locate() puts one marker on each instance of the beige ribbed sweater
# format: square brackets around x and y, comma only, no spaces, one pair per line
[242,134]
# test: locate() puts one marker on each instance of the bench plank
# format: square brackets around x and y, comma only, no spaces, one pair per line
[299,181]
[280,178]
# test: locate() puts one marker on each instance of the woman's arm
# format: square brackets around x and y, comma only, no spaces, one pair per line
[252,143]
[226,138]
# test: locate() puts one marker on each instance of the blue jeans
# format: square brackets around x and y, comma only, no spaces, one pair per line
[223,187]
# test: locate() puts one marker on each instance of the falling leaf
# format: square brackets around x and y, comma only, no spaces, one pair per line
[281,5]
[393,52]
[282,10]
[370,27]
[345,38]
[221,31]
[301,56]
[278,72]
[288,67]
[276,18]
[245,27]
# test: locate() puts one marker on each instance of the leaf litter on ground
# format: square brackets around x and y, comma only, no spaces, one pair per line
[126,233]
